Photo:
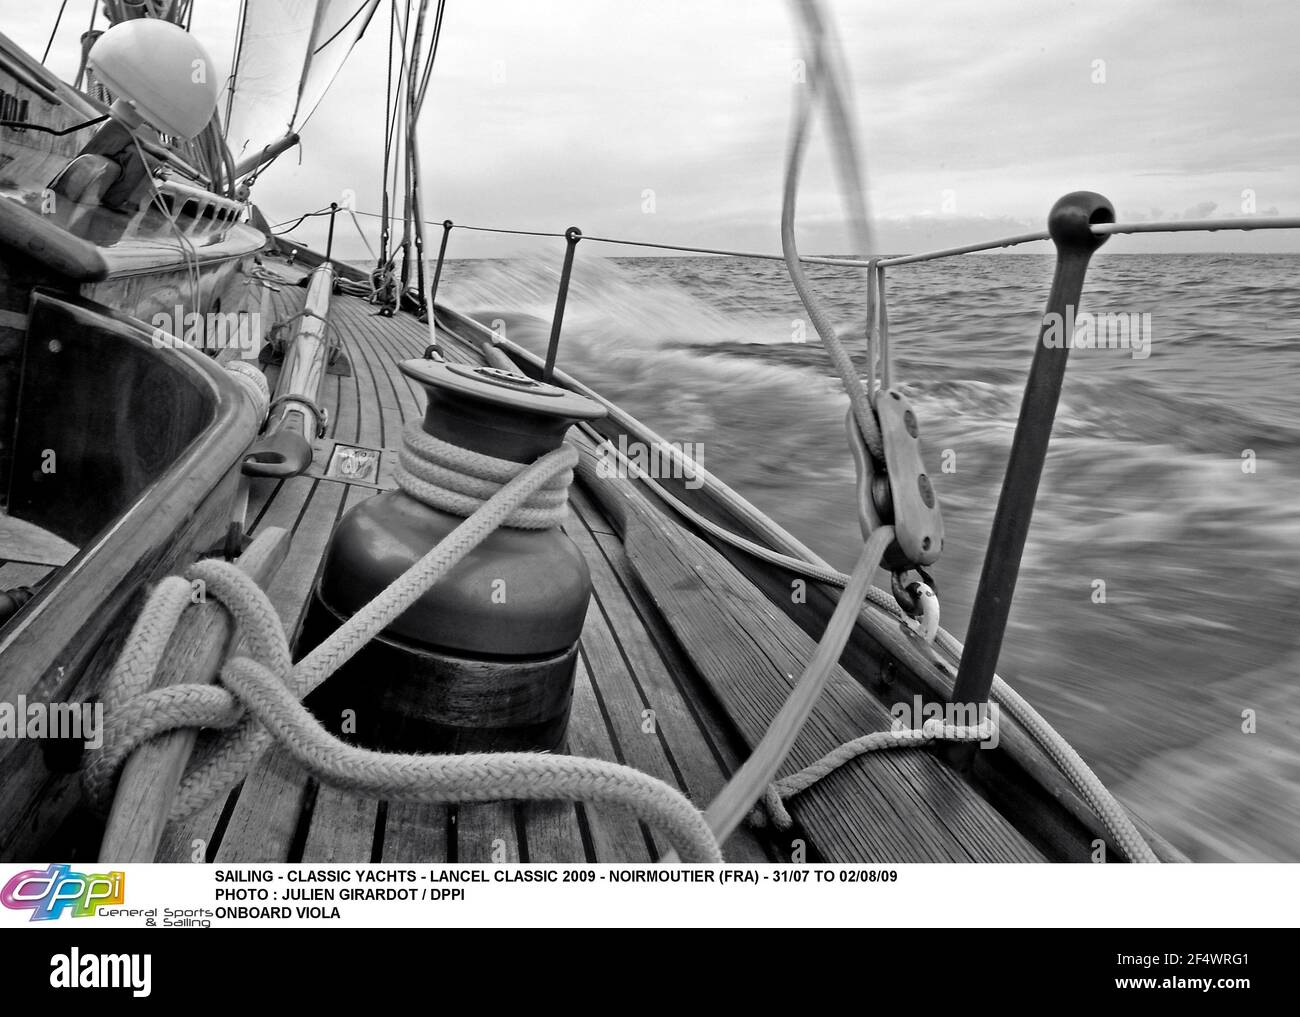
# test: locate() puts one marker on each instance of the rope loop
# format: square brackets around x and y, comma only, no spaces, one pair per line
[458,480]
[772,806]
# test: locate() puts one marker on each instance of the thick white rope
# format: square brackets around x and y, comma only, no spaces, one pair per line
[260,700]
[460,481]
[254,383]
[772,806]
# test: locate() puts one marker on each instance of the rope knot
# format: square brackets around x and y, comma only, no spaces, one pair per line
[135,712]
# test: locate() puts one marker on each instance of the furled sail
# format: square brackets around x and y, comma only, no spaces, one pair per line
[288,54]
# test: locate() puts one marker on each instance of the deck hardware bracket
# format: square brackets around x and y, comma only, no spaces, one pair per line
[920,602]
[354,464]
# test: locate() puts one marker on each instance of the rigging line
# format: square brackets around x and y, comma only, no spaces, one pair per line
[232,79]
[433,54]
[820,35]
[54,31]
[433,51]
[188,251]
[405,139]
[342,27]
[392,140]
[306,64]
[819,81]
[227,157]
[294,122]
[360,232]
[413,97]
[85,50]
[396,25]
[1172,226]
[388,137]
[306,215]
[27,125]
[488,229]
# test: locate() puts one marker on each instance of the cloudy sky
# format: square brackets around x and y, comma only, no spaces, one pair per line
[973,117]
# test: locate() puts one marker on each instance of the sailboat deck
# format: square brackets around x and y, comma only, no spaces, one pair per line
[678,674]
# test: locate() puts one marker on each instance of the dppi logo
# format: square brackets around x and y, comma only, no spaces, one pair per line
[47,894]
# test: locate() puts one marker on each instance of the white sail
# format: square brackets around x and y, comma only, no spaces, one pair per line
[289,53]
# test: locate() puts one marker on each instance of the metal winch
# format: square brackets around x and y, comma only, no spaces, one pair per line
[485,659]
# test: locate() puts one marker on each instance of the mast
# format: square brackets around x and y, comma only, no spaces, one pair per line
[233,81]
[406,138]
[389,110]
[413,150]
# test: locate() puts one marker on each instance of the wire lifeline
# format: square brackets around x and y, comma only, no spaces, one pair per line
[1163,226]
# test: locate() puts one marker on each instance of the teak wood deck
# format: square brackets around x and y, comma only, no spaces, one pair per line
[683,663]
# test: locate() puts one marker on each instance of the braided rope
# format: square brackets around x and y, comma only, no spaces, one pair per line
[772,804]
[254,381]
[259,700]
[460,481]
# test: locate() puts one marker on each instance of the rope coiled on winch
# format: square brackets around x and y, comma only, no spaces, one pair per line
[460,481]
[260,700]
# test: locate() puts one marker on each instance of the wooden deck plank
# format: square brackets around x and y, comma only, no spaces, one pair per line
[263,825]
[487,833]
[714,723]
[745,678]
[415,832]
[695,763]
[616,835]
[552,832]
[342,827]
